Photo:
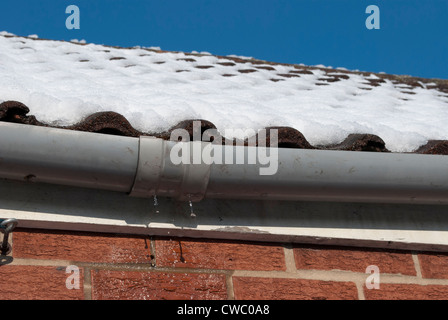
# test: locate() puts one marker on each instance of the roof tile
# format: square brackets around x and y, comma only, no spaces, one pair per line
[114,123]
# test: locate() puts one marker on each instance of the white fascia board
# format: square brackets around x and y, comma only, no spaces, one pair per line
[416,227]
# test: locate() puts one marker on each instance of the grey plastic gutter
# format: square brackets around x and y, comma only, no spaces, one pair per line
[143,167]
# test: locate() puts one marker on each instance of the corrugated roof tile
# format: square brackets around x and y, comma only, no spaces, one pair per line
[116,124]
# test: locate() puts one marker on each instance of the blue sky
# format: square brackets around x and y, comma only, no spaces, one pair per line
[412,38]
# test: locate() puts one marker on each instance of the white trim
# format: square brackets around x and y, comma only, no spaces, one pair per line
[374,225]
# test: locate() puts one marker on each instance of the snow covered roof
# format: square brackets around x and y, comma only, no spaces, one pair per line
[134,91]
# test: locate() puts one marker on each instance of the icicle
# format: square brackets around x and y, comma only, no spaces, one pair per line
[192,214]
[156,204]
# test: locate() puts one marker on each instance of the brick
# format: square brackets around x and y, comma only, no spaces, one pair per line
[434,266]
[252,288]
[230,255]
[37,283]
[80,246]
[407,292]
[136,285]
[353,259]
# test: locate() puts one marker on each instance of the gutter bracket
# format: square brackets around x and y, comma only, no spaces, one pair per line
[157,175]
[149,167]
[195,176]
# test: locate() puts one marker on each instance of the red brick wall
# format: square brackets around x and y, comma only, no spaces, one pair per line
[138,267]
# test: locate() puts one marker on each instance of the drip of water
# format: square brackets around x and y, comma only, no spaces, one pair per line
[192,214]
[156,204]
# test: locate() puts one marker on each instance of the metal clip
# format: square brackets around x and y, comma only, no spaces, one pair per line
[6,227]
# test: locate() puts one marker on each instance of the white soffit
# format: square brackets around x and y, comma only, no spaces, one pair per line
[416,227]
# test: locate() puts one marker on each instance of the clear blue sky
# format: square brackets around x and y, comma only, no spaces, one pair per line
[413,38]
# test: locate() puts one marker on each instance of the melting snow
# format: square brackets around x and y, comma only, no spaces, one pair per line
[64,82]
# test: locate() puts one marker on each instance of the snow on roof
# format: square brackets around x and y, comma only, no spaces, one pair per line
[65,82]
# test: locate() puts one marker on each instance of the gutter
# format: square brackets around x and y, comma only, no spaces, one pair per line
[143,167]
